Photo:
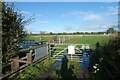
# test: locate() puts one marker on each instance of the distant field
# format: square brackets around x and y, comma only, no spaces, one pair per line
[76,39]
[37,38]
[88,39]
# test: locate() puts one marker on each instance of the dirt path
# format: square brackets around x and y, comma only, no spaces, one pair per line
[82,74]
[52,68]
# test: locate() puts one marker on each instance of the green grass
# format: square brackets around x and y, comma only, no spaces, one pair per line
[76,39]
[56,74]
[37,38]
[92,40]
[88,39]
[35,71]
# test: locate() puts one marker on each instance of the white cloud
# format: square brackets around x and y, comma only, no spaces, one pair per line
[25,12]
[30,13]
[83,15]
[111,10]
[86,28]
[113,13]
[92,17]
[73,13]
[101,27]
[94,27]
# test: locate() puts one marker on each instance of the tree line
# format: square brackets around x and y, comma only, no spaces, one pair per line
[108,31]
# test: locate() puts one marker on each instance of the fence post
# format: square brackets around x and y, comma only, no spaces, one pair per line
[15,63]
[29,57]
[49,50]
[71,57]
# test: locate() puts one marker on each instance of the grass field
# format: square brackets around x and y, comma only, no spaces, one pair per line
[37,38]
[76,39]
[92,40]
[88,39]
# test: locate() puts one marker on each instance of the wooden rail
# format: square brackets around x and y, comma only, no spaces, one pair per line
[27,60]
[15,61]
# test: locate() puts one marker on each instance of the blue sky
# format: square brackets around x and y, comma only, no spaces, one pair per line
[69,16]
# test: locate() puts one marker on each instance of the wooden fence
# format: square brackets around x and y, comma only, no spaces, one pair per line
[16,61]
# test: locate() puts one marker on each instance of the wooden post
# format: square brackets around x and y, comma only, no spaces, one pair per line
[71,57]
[15,63]
[29,57]
[59,41]
[49,48]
